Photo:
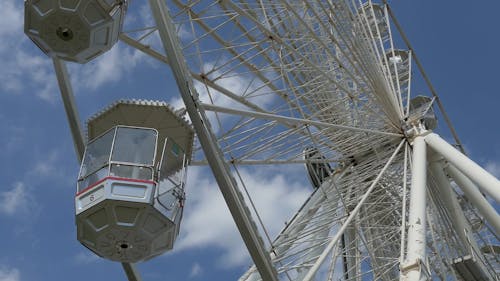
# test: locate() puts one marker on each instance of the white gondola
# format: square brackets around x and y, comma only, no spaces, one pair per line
[422,113]
[130,190]
[74,30]
[372,15]
[399,65]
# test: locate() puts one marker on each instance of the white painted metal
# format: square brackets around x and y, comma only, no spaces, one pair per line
[352,266]
[403,207]
[131,272]
[119,222]
[476,197]
[314,269]
[276,77]
[130,195]
[294,227]
[291,120]
[413,269]
[424,75]
[459,221]
[70,107]
[226,182]
[484,180]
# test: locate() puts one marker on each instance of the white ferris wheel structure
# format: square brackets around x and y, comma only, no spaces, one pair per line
[320,84]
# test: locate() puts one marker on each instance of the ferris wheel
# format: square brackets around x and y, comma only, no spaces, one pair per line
[315,83]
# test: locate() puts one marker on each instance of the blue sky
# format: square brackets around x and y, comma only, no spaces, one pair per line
[457,44]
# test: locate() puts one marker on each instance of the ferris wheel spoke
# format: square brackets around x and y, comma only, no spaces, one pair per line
[258,135]
[317,83]
[212,32]
[375,45]
[348,53]
[314,34]
[425,77]
[373,33]
[313,270]
[301,242]
[290,120]
[309,64]
[396,79]
[231,48]
[292,106]
[202,79]
[324,75]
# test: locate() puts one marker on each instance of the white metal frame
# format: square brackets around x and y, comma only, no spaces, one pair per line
[221,171]
[416,246]
[367,132]
[484,180]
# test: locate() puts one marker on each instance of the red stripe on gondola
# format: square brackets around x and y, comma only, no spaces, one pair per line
[113,178]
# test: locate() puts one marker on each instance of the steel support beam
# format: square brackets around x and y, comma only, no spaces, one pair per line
[131,271]
[475,197]
[226,182]
[484,180]
[291,120]
[70,107]
[415,255]
[459,222]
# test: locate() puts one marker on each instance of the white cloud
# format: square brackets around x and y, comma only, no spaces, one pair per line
[145,16]
[9,274]
[20,68]
[50,166]
[493,168]
[238,85]
[86,257]
[25,67]
[14,200]
[38,70]
[11,18]
[196,270]
[46,167]
[208,223]
[13,136]
[108,68]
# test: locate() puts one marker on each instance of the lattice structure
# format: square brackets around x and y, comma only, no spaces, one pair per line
[280,77]
[264,81]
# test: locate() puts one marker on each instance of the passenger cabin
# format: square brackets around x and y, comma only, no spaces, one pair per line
[421,111]
[130,189]
[74,30]
[372,16]
[399,65]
